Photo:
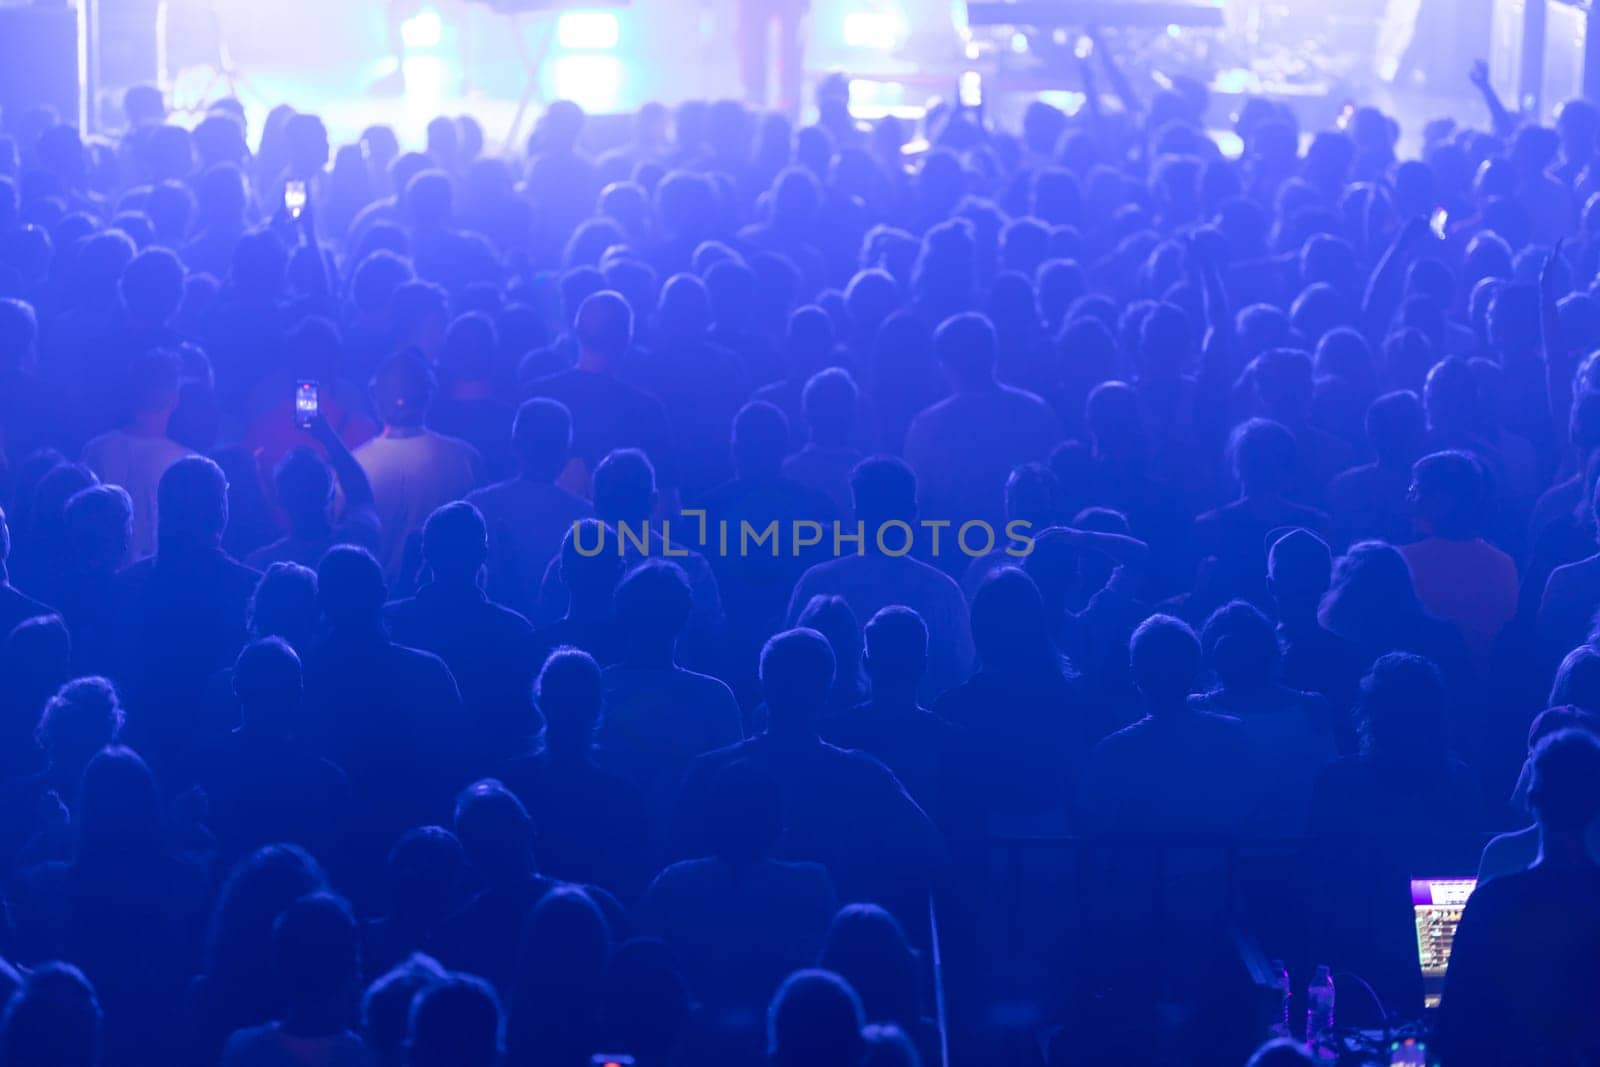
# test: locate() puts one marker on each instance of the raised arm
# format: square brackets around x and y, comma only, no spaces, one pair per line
[1559,365]
[1505,123]
[1120,548]
[359,504]
[1384,288]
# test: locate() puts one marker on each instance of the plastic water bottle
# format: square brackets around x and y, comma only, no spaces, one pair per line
[1280,1023]
[1319,1014]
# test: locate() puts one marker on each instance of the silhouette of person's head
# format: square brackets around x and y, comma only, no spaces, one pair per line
[684,310]
[1402,713]
[591,565]
[386,1006]
[258,268]
[966,348]
[267,682]
[285,605]
[1115,422]
[867,947]
[82,718]
[1281,1052]
[1372,588]
[316,944]
[455,542]
[429,201]
[652,607]
[625,487]
[541,438]
[1299,569]
[832,617]
[376,280]
[19,329]
[807,342]
[305,490]
[350,589]
[1010,627]
[603,329]
[760,440]
[1451,397]
[155,381]
[152,287]
[570,695]
[53,1020]
[896,652]
[1240,646]
[470,344]
[883,489]
[423,874]
[829,403]
[1397,429]
[1564,786]
[98,524]
[1447,490]
[495,831]
[240,986]
[455,1023]
[1164,654]
[192,507]
[815,1021]
[1577,680]
[403,390]
[1033,495]
[118,814]
[1264,457]
[797,672]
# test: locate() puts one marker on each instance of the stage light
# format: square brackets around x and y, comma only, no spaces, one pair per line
[423,30]
[592,82]
[878,30]
[591,31]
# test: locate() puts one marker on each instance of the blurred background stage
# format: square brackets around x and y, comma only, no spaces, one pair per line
[401,62]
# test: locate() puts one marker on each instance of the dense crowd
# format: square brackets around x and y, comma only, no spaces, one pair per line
[848,594]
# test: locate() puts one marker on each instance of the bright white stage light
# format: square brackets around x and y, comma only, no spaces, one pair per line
[423,30]
[880,30]
[592,82]
[590,31]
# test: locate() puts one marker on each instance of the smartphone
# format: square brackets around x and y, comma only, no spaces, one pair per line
[610,1059]
[294,198]
[305,404]
[1440,224]
[972,89]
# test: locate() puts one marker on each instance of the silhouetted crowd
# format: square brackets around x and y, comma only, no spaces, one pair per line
[863,593]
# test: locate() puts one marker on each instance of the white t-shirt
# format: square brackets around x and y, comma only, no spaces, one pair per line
[411,475]
[137,464]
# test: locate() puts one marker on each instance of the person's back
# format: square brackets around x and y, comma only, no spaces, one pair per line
[594,826]
[263,781]
[1459,576]
[385,713]
[964,446]
[738,919]
[658,717]
[316,944]
[756,584]
[1525,960]
[488,648]
[1293,730]
[1024,730]
[181,614]
[136,456]
[1179,769]
[885,496]
[891,725]
[529,515]
[412,470]
[842,809]
[607,413]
